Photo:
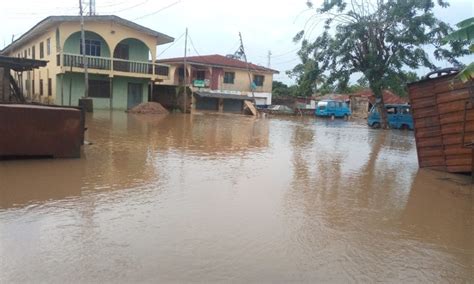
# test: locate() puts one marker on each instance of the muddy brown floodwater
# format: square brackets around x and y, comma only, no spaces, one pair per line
[211,198]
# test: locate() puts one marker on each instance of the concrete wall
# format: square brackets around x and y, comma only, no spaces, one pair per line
[119,88]
[65,38]
[73,44]
[241,81]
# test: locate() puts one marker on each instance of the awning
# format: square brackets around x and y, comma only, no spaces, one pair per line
[223,96]
[20,64]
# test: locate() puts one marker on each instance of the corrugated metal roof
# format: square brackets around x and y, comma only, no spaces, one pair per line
[21,64]
[223,96]
[53,20]
[218,61]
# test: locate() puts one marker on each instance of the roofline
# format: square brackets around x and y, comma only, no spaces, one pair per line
[51,20]
[181,61]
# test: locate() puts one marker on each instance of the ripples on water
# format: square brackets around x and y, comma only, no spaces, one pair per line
[221,198]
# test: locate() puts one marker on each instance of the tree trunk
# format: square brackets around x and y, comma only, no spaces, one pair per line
[378,94]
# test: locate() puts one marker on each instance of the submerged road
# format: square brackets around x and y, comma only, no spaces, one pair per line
[211,198]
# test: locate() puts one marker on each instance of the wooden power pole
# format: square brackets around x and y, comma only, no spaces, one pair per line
[246,62]
[185,70]
[84,59]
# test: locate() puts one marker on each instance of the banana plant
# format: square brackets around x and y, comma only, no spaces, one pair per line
[465,32]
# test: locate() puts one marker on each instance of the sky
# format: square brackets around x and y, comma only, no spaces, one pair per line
[213,25]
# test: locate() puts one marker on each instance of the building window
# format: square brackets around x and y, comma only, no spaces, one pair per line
[229,77]
[92,47]
[41,49]
[25,53]
[29,51]
[48,46]
[41,87]
[33,52]
[33,86]
[99,89]
[58,45]
[50,87]
[200,75]
[258,80]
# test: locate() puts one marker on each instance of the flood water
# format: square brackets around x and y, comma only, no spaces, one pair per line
[213,198]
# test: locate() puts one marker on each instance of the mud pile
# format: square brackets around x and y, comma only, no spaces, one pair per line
[149,108]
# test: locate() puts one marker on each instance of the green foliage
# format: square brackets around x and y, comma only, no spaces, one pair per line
[379,39]
[464,33]
[280,89]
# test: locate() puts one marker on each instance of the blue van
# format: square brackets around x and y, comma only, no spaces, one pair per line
[332,108]
[399,116]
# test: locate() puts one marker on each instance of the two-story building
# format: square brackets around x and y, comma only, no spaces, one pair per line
[120,57]
[219,83]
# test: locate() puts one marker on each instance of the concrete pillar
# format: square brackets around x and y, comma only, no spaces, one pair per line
[221,105]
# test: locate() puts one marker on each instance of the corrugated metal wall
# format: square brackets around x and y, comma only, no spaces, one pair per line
[207,104]
[234,106]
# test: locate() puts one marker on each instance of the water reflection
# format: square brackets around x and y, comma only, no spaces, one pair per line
[227,198]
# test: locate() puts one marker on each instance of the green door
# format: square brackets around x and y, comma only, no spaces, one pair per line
[134,95]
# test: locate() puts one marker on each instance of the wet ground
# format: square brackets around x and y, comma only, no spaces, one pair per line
[210,198]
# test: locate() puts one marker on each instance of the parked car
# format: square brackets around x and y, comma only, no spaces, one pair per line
[332,108]
[280,109]
[399,116]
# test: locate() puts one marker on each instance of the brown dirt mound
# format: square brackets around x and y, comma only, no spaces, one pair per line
[149,108]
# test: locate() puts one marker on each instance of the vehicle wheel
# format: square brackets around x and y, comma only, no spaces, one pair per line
[375,125]
[404,127]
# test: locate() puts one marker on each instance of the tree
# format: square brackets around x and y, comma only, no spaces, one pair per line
[280,89]
[379,39]
[465,32]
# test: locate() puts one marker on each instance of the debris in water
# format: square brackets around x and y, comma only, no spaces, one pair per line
[148,108]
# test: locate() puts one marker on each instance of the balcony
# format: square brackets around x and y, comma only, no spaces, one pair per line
[115,65]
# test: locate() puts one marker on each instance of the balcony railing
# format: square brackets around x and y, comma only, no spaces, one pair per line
[105,63]
[93,62]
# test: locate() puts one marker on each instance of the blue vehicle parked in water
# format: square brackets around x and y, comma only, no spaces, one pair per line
[332,108]
[398,115]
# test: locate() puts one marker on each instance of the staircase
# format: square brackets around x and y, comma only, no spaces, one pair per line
[16,91]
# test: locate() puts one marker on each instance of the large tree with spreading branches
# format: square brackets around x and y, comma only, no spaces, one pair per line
[379,39]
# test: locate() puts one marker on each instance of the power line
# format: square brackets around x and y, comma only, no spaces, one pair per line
[171,45]
[131,7]
[156,12]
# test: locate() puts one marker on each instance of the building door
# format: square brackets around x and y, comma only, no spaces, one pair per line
[135,96]
[122,52]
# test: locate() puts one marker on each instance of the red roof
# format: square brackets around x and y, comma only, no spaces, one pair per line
[388,97]
[217,60]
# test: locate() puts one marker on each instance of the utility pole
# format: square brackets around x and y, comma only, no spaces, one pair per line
[83,44]
[91,7]
[185,70]
[248,65]
[269,58]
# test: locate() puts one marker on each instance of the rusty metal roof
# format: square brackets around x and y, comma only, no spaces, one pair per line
[218,61]
[21,64]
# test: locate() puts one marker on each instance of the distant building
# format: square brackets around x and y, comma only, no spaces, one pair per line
[219,83]
[118,53]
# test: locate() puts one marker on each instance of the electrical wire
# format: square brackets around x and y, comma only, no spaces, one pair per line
[128,8]
[157,11]
[171,45]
